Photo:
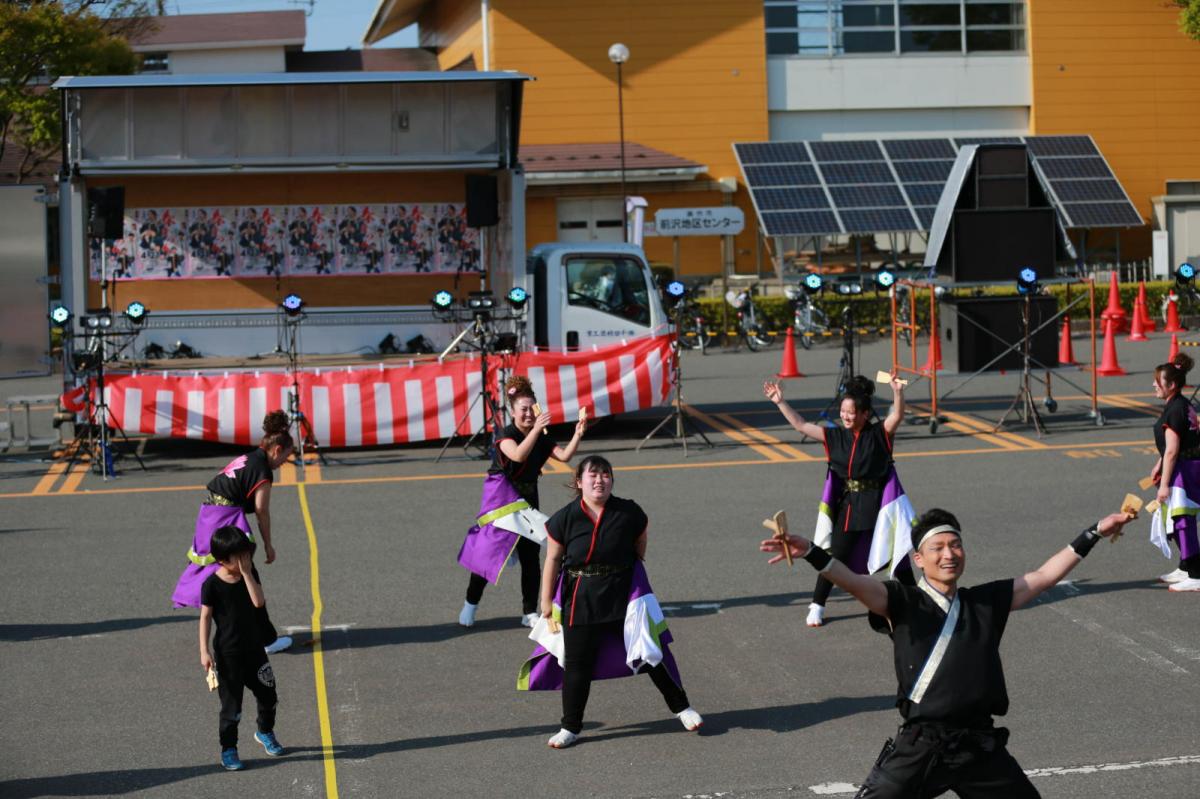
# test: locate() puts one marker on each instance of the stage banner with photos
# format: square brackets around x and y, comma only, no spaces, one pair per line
[383,404]
[290,240]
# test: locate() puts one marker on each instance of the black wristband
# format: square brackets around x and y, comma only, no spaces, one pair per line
[818,558]
[1084,542]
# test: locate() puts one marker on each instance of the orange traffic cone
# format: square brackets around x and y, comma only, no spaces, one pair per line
[1136,330]
[1148,323]
[1174,348]
[1173,325]
[934,361]
[1066,354]
[1108,364]
[789,368]
[1114,310]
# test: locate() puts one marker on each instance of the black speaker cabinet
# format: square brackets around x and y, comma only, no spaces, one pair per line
[483,201]
[106,212]
[967,346]
[995,245]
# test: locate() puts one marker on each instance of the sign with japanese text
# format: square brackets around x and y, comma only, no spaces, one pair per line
[724,220]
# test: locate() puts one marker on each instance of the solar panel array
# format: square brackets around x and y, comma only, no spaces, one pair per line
[806,188]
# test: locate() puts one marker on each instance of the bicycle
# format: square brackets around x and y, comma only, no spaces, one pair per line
[693,332]
[748,326]
[808,320]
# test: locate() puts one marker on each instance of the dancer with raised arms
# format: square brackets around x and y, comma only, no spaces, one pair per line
[864,517]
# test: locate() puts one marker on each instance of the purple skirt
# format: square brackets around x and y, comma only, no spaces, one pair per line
[200,560]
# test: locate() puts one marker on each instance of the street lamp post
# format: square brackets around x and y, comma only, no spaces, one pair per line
[619,54]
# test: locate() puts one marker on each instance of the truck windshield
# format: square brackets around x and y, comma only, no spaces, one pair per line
[613,285]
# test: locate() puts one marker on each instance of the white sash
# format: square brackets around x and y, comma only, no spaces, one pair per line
[938,653]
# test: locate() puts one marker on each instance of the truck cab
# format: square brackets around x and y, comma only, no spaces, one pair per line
[587,294]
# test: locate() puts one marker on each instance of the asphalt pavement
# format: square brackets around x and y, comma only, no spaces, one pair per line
[103,694]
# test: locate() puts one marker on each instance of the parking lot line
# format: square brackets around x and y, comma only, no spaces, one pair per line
[331,788]
[767,438]
[736,431]
[51,476]
[79,470]
[1127,401]
[964,424]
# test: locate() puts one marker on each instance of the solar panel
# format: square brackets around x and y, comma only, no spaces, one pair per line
[867,196]
[782,175]
[864,172]
[925,215]
[923,171]
[876,220]
[1069,191]
[772,152]
[1074,168]
[987,140]
[789,199]
[1042,146]
[1103,214]
[924,193]
[919,149]
[825,151]
[800,223]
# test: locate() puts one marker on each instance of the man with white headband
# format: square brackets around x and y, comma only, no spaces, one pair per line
[940,633]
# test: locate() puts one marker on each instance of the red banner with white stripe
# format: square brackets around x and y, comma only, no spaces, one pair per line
[385,404]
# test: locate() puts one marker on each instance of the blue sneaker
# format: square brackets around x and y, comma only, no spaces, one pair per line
[230,761]
[267,739]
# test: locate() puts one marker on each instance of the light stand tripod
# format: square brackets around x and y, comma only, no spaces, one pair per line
[678,414]
[97,441]
[493,419]
[305,438]
[1024,398]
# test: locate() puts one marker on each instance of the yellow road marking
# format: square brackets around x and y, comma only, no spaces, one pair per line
[312,470]
[964,424]
[79,470]
[988,427]
[558,467]
[331,789]
[764,436]
[51,476]
[737,431]
[1126,401]
[287,474]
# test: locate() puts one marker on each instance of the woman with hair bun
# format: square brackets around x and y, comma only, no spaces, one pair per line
[1177,472]
[508,510]
[242,487]
[865,519]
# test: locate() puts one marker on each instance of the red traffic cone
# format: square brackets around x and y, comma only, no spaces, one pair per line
[1066,354]
[1174,348]
[1137,331]
[934,362]
[1173,325]
[789,368]
[1114,310]
[1108,364]
[1148,323]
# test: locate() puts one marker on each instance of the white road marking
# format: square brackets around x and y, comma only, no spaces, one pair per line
[832,788]
[1123,641]
[1178,649]
[292,629]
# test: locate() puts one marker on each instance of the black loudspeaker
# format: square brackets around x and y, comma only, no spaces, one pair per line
[995,245]
[967,348]
[106,212]
[483,201]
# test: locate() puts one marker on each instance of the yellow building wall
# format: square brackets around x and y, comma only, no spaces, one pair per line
[454,29]
[694,84]
[249,190]
[1122,71]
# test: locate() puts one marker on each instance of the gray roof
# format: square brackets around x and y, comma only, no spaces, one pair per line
[279,78]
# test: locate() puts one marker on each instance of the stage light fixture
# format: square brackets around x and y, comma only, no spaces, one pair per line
[60,316]
[292,304]
[885,278]
[1185,274]
[99,320]
[481,301]
[517,297]
[442,301]
[136,312]
[1027,281]
[849,287]
[813,283]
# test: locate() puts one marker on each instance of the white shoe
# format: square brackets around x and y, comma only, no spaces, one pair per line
[816,615]
[691,720]
[279,644]
[1186,584]
[529,619]
[562,739]
[466,616]
[1173,577]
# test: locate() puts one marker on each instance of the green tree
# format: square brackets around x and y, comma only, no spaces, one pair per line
[41,40]
[1189,17]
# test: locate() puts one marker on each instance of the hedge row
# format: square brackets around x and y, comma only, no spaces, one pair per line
[873,309]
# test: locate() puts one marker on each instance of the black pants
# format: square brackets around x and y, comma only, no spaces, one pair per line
[928,760]
[529,554]
[580,643]
[842,548]
[236,672]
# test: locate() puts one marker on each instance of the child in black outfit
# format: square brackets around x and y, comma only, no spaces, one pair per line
[229,597]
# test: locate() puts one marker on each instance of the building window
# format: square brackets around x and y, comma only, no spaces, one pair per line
[155,62]
[851,27]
